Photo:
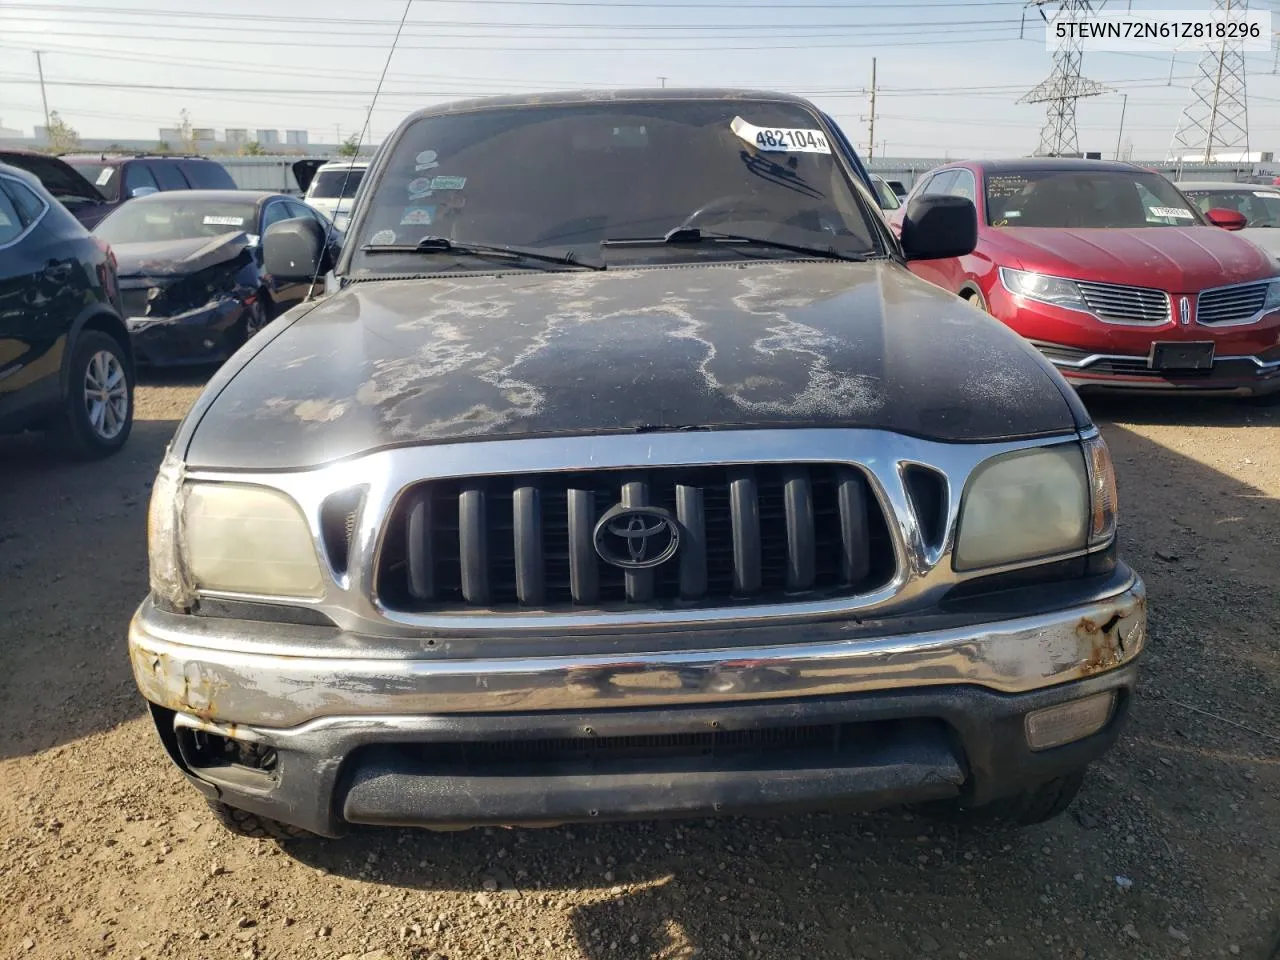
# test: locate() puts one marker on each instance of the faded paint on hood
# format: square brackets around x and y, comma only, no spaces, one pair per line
[539,354]
[1175,259]
[177,257]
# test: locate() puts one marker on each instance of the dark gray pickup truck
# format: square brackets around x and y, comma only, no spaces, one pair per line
[623,470]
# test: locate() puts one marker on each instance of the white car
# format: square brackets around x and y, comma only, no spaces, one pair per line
[1258,204]
[333,188]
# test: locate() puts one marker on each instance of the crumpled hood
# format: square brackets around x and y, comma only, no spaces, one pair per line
[177,257]
[1175,259]
[722,346]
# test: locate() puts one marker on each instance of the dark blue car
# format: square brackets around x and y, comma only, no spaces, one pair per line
[192,281]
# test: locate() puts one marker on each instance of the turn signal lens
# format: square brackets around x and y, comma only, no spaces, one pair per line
[1102,491]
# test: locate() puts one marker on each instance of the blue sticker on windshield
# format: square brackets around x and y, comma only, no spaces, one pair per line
[448,183]
[417,216]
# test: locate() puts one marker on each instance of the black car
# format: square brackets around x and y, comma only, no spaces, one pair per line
[191,276]
[637,477]
[64,182]
[65,362]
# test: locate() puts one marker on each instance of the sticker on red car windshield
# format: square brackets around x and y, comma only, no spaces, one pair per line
[1176,212]
[781,139]
[224,221]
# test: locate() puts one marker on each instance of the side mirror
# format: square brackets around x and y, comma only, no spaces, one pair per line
[1226,219]
[936,227]
[293,250]
[142,192]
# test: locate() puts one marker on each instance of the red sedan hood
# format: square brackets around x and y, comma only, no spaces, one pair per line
[1176,259]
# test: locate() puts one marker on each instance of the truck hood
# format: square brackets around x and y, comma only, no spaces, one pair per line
[1175,259]
[724,346]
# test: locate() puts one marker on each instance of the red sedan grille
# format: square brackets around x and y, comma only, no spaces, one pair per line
[1120,304]
[1232,304]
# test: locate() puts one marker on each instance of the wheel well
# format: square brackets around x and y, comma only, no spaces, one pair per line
[112,327]
[969,291]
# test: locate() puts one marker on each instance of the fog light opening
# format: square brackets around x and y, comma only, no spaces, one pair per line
[1068,722]
[214,750]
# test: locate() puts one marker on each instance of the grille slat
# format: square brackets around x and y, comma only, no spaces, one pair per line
[744,508]
[1123,304]
[1231,304]
[748,534]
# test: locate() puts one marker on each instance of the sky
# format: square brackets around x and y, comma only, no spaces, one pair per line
[948,72]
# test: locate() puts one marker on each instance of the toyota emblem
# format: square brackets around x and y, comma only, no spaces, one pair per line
[636,538]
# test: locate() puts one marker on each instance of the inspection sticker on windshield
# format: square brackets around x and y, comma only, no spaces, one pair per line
[104,176]
[781,139]
[421,187]
[426,160]
[1176,212]
[448,183]
[383,236]
[224,221]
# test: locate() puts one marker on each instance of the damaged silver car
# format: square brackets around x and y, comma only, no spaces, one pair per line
[623,470]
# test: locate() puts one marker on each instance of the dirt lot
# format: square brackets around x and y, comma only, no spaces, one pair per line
[1172,850]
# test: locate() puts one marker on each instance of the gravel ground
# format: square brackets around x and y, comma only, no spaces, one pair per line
[1172,850]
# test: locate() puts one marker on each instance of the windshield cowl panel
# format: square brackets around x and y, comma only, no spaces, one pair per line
[562,178]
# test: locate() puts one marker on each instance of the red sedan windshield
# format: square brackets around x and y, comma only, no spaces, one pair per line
[1117,199]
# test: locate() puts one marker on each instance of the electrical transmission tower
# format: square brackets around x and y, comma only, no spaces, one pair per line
[1064,86]
[1217,118]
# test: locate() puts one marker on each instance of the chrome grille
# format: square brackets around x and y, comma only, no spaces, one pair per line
[764,533]
[1231,304]
[1120,304]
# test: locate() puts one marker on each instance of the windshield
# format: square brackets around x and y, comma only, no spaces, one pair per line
[328,184]
[1261,208]
[177,217]
[103,176]
[565,177]
[1117,199]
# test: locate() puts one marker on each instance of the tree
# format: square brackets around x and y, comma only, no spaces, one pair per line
[350,147]
[252,149]
[62,136]
[186,133]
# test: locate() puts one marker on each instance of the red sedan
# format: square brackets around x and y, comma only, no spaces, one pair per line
[1114,275]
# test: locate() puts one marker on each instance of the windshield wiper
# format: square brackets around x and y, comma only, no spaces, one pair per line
[693,235]
[444,245]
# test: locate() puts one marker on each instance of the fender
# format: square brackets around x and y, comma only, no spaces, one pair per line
[102,316]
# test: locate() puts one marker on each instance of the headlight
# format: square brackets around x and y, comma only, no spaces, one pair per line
[1024,505]
[243,539]
[1273,296]
[1036,286]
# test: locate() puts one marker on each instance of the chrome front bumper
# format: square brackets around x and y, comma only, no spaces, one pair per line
[190,665]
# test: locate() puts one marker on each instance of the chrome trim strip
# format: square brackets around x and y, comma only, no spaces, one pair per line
[1093,358]
[1086,310]
[923,574]
[1012,656]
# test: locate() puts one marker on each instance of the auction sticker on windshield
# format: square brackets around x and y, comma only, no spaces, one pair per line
[224,221]
[781,139]
[1176,212]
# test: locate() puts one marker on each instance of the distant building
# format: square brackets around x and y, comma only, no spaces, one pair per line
[236,135]
[269,137]
[171,136]
[296,138]
[7,134]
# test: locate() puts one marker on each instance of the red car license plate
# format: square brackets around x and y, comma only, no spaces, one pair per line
[1181,356]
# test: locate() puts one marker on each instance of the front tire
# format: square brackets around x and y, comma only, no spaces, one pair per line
[976,298]
[97,414]
[246,824]
[1034,805]
[256,318]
